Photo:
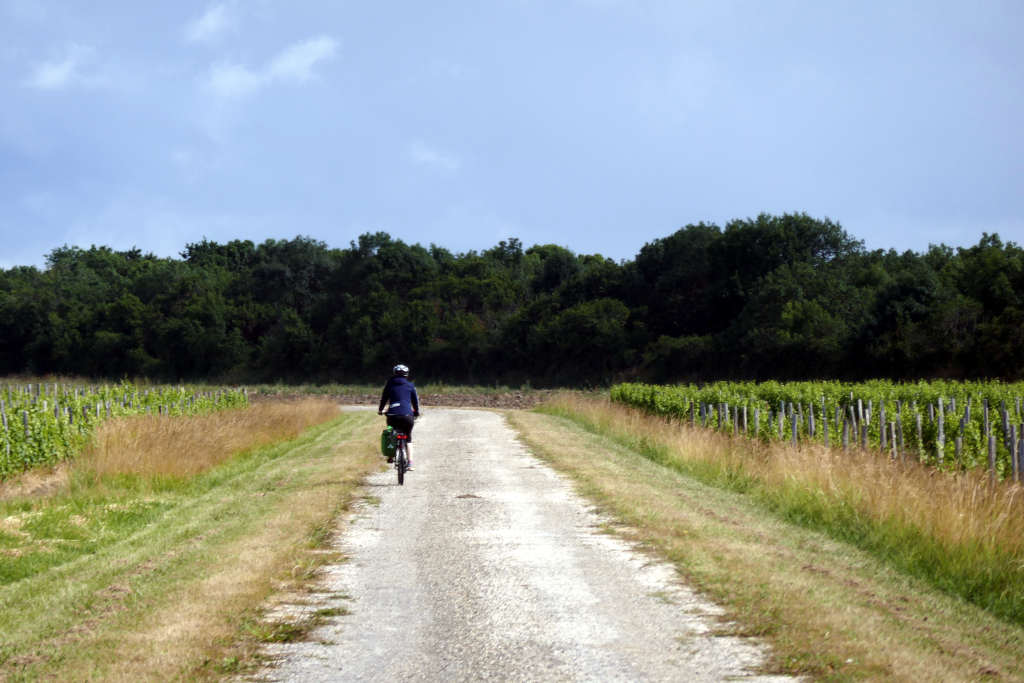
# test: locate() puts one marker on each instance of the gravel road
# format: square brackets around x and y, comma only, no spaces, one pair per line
[486,566]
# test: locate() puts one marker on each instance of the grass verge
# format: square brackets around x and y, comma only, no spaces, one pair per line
[958,531]
[830,610]
[142,574]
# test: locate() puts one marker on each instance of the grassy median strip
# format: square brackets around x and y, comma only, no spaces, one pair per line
[155,571]
[829,609]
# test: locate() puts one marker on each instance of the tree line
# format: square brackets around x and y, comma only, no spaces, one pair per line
[772,297]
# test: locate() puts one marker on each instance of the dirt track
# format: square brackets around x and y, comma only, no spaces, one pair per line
[486,565]
[508,399]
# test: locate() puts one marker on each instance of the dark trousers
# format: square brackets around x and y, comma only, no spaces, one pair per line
[402,423]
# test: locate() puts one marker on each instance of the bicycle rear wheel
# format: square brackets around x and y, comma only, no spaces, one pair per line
[401,462]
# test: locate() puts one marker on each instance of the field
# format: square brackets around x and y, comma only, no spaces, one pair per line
[146,556]
[431,394]
[850,569]
[961,531]
[949,425]
[43,423]
[151,509]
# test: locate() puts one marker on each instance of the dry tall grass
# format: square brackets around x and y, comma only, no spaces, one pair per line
[962,509]
[162,446]
[960,519]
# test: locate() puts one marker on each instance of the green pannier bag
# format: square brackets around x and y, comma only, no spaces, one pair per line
[387,442]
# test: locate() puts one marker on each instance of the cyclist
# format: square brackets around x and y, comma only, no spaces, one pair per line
[402,403]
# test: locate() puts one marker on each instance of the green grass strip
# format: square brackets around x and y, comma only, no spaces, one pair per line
[143,539]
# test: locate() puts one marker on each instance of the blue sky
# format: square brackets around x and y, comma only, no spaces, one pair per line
[596,124]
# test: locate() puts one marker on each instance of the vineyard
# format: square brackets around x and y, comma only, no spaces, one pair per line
[44,423]
[950,425]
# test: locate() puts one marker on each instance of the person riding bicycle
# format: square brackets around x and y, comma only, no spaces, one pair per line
[402,403]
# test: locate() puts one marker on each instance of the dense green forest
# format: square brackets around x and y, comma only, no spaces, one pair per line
[780,297]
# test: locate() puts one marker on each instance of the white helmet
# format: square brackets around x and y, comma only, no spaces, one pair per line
[402,370]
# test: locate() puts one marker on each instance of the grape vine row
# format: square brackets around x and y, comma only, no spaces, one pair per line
[951,425]
[44,423]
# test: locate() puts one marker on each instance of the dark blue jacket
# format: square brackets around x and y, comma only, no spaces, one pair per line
[400,397]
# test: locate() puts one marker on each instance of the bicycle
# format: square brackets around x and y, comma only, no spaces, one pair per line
[401,455]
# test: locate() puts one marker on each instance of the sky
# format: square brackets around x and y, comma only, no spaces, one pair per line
[599,125]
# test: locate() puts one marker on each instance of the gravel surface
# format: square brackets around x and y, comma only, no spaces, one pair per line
[486,566]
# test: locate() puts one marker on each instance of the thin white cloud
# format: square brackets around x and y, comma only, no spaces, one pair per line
[425,155]
[214,22]
[154,223]
[231,80]
[64,72]
[294,64]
